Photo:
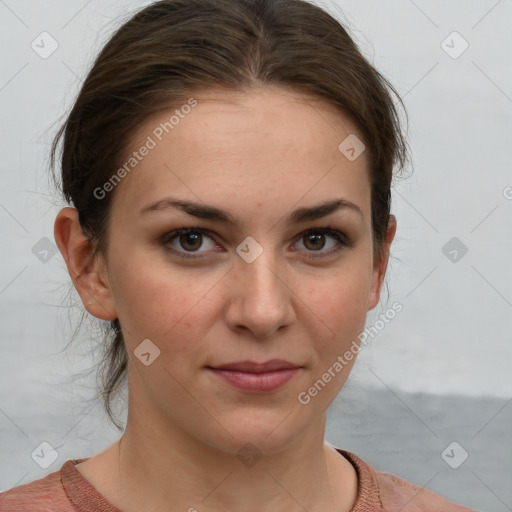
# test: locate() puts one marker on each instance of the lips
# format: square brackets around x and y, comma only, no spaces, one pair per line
[252,377]
[252,367]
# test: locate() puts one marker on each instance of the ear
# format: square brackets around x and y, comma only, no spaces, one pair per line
[379,267]
[87,271]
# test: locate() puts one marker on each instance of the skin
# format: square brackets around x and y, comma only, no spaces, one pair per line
[258,154]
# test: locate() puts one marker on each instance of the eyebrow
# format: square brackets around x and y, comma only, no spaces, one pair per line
[204,211]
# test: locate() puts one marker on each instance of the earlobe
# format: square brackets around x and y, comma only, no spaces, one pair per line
[83,266]
[379,267]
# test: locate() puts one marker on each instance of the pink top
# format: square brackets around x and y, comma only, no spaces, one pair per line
[67,490]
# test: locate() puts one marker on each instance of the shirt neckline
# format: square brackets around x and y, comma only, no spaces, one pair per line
[87,498]
[80,491]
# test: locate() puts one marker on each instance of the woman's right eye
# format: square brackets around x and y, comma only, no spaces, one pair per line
[190,240]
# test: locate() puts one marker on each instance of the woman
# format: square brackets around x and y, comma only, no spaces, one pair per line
[229,166]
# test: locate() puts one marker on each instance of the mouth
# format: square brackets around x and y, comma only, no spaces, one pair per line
[255,377]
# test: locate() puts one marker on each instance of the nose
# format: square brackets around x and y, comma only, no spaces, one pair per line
[260,300]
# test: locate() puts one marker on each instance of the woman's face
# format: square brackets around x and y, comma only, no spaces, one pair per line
[258,290]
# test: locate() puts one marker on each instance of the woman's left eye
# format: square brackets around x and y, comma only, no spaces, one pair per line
[315,239]
[191,240]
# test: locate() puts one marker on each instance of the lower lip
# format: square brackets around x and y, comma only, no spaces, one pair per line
[257,382]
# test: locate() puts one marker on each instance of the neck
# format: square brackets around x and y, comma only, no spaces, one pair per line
[308,475]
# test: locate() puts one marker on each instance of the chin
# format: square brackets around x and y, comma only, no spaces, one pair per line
[262,431]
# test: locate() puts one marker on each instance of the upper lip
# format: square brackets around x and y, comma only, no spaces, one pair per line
[253,367]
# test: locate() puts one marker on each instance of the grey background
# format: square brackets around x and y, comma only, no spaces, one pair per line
[438,373]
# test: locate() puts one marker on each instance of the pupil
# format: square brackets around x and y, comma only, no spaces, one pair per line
[193,238]
[317,239]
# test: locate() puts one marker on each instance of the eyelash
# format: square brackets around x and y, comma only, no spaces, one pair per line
[342,240]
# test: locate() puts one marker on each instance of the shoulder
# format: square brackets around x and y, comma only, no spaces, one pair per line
[392,492]
[395,490]
[46,494]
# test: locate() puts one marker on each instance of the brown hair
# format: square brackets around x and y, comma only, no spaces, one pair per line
[172,47]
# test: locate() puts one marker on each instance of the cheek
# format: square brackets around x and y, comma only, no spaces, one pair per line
[340,306]
[160,303]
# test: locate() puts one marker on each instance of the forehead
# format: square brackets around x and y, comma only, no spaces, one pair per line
[296,119]
[267,143]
